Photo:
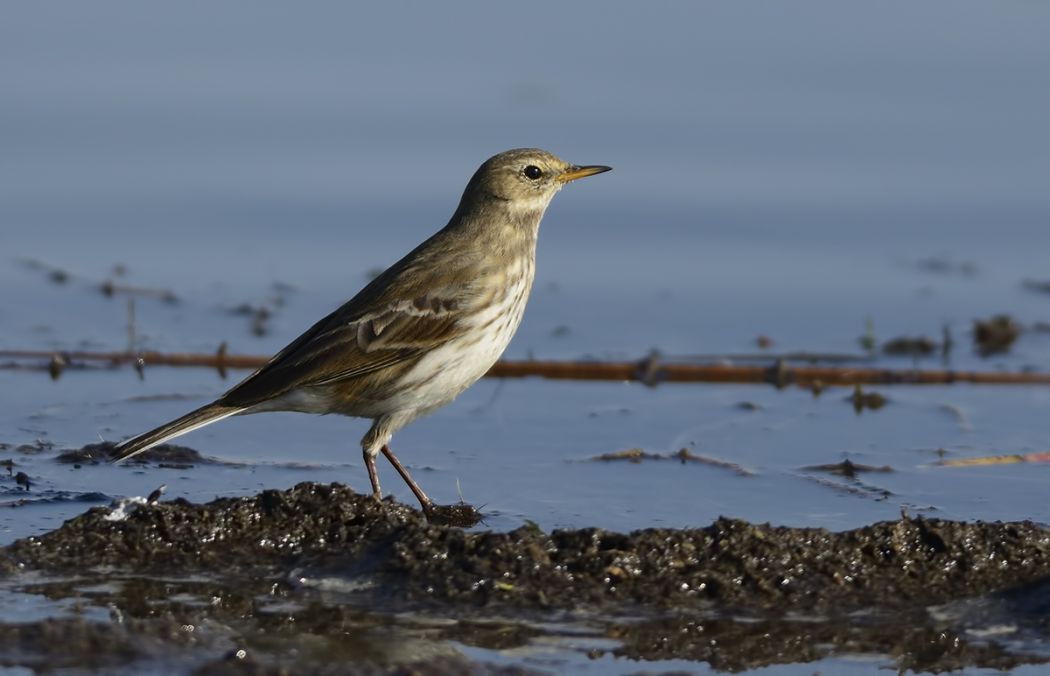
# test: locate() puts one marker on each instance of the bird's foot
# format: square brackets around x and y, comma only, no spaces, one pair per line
[460,515]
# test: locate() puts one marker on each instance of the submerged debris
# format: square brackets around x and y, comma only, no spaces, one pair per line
[939,265]
[109,288]
[848,468]
[866,400]
[995,335]
[634,455]
[259,316]
[56,365]
[167,455]
[1036,285]
[917,346]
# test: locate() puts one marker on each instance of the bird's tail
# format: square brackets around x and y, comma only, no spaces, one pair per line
[205,415]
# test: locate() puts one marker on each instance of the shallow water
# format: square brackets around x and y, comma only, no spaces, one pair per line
[791,176]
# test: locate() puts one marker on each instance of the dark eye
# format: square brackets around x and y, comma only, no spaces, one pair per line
[532,172]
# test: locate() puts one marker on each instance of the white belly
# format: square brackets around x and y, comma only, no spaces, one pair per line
[448,370]
[440,375]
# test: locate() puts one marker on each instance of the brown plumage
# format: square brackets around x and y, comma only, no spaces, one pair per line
[419,333]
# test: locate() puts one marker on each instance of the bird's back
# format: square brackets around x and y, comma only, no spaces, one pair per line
[427,306]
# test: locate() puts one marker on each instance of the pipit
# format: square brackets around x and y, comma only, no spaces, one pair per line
[422,331]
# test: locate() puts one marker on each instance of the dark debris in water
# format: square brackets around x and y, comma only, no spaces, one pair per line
[35,448]
[259,316]
[110,288]
[939,265]
[995,335]
[910,346]
[167,455]
[1037,285]
[848,468]
[863,400]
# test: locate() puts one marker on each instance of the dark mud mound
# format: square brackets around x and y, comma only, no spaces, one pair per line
[319,579]
[327,531]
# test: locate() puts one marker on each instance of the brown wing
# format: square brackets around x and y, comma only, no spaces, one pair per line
[411,308]
[343,346]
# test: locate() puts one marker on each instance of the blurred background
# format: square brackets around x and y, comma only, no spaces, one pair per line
[794,171]
[769,155]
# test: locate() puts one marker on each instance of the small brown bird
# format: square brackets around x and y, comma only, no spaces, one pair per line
[422,331]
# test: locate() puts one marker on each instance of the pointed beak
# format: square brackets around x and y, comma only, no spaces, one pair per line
[573,173]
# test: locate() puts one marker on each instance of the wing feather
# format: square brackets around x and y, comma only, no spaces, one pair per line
[336,350]
[411,308]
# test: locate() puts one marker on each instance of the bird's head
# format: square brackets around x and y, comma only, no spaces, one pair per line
[525,178]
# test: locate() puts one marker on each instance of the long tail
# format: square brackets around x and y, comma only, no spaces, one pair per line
[205,415]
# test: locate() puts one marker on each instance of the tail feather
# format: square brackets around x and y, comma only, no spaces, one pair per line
[205,415]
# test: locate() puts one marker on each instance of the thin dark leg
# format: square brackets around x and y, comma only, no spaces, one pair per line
[424,501]
[373,475]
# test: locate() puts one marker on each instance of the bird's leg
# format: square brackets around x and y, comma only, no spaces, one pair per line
[373,475]
[424,501]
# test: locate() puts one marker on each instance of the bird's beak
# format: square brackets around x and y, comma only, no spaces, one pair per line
[574,172]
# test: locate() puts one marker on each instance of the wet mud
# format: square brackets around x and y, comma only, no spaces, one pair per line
[342,582]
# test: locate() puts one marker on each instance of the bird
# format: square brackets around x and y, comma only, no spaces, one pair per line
[419,333]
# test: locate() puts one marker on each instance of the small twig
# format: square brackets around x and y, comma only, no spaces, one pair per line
[684,455]
[779,373]
[109,288]
[798,356]
[1009,459]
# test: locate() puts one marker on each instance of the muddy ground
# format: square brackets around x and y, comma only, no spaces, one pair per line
[321,578]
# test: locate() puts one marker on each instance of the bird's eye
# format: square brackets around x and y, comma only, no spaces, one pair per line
[532,172]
